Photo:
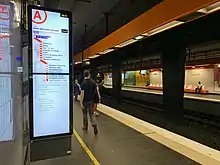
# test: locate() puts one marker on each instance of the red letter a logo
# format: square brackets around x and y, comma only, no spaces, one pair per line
[37,15]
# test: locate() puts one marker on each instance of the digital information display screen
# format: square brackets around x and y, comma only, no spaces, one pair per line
[50,42]
[50,78]
[50,105]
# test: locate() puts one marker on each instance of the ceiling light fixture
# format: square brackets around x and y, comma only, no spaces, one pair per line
[128,42]
[97,55]
[165,27]
[211,8]
[87,63]
[106,51]
[214,7]
[204,10]
[86,59]
[146,34]
[77,63]
[139,37]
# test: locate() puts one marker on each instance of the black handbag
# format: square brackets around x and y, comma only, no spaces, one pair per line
[96,96]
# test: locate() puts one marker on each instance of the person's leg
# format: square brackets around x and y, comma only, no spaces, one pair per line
[91,114]
[95,107]
[100,90]
[92,117]
[85,117]
[96,113]
[200,89]
[196,90]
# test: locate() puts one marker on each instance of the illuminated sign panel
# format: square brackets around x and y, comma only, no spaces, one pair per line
[51,105]
[4,16]
[50,72]
[6,114]
[50,42]
[5,56]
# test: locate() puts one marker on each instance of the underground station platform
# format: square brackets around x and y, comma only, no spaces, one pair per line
[125,140]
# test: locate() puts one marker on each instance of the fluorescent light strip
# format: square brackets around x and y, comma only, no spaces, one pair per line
[106,51]
[204,10]
[211,8]
[146,34]
[87,62]
[126,43]
[94,56]
[139,37]
[165,27]
[214,7]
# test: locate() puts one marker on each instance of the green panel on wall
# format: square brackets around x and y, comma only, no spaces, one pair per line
[130,78]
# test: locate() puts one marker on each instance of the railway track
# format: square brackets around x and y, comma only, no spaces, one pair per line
[209,120]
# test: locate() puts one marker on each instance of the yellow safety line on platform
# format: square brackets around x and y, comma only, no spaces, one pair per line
[92,157]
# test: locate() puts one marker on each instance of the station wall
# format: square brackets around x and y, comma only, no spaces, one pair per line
[205,76]
[108,78]
[156,77]
[153,77]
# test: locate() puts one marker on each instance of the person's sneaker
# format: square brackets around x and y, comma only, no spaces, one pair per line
[96,113]
[95,129]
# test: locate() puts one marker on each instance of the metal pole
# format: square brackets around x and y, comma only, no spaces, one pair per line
[82,48]
[106,23]
[84,42]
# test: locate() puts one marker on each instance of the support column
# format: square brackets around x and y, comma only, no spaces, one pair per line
[173,60]
[116,80]
[94,73]
[216,77]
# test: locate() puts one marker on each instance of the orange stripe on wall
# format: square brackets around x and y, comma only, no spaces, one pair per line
[166,11]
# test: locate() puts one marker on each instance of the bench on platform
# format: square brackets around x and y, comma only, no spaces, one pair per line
[187,88]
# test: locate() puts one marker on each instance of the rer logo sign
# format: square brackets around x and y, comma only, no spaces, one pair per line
[4,12]
[39,16]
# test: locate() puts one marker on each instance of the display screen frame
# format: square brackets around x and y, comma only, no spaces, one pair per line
[30,73]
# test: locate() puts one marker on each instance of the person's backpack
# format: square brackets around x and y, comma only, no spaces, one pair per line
[96,96]
[77,89]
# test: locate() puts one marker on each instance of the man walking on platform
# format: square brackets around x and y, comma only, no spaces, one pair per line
[88,90]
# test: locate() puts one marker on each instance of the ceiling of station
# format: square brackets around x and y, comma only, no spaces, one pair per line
[91,13]
[84,11]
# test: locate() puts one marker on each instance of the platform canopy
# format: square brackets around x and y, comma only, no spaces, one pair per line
[167,14]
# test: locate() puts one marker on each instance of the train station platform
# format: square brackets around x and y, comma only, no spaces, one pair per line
[126,140]
[200,97]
